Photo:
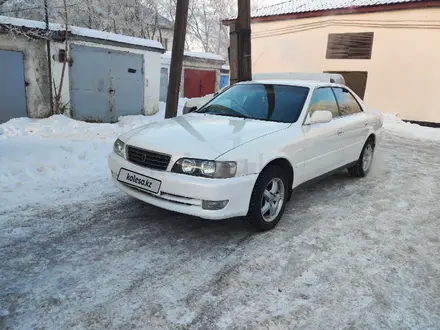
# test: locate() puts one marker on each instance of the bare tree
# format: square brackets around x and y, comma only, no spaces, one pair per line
[139,18]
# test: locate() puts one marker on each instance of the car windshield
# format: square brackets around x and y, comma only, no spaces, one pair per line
[280,103]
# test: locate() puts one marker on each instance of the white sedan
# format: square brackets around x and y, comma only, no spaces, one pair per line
[245,151]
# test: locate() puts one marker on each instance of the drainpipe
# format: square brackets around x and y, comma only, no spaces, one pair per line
[49,56]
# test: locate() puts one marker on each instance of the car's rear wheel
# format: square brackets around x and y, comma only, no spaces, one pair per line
[269,198]
[364,162]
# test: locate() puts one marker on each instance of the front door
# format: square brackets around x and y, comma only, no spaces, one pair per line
[355,122]
[323,141]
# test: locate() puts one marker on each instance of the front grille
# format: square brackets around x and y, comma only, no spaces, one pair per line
[147,158]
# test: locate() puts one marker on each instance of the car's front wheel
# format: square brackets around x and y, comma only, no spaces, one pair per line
[364,162]
[269,198]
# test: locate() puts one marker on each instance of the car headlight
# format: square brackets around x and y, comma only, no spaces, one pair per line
[119,148]
[205,168]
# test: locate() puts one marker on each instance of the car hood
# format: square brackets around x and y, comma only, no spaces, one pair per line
[199,135]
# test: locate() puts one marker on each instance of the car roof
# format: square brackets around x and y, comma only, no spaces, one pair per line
[303,83]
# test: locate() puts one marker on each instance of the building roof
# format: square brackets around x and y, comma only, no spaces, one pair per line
[310,8]
[82,32]
[200,55]
[303,6]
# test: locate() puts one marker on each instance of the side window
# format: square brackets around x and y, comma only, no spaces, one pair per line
[347,103]
[324,99]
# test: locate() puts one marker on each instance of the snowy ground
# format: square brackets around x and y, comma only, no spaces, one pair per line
[76,253]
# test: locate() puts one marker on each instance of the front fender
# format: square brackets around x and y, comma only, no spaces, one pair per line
[254,156]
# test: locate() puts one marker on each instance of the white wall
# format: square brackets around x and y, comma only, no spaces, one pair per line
[151,73]
[404,68]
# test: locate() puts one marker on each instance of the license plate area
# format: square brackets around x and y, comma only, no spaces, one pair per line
[139,181]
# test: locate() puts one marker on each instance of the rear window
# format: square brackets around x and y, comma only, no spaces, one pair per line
[279,103]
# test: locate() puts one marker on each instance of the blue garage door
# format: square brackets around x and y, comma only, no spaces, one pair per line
[12,86]
[224,81]
[105,84]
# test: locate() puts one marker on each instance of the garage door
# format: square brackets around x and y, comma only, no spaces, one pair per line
[12,86]
[356,80]
[198,83]
[224,81]
[105,84]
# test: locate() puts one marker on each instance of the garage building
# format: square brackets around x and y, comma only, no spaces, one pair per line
[107,75]
[201,74]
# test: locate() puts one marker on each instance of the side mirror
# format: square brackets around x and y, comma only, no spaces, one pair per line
[319,117]
[189,110]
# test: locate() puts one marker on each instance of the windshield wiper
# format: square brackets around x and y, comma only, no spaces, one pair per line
[227,115]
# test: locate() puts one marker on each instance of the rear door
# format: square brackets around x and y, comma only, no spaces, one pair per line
[323,142]
[355,124]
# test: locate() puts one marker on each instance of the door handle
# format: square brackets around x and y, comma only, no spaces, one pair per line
[366,124]
[340,131]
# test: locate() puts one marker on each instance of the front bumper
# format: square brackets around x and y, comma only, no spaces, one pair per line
[184,193]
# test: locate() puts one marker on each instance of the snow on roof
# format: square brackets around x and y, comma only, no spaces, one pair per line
[20,22]
[89,33]
[226,67]
[206,56]
[303,6]
[83,32]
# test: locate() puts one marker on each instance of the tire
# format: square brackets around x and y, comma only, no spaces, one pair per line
[277,202]
[363,165]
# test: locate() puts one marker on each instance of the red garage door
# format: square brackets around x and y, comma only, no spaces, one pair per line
[198,83]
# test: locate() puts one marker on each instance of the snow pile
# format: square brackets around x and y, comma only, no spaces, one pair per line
[59,159]
[60,126]
[393,124]
[96,34]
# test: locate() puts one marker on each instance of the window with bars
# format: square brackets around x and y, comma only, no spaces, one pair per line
[350,45]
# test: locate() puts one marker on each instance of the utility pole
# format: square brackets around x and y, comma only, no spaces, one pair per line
[240,59]
[180,24]
[49,55]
